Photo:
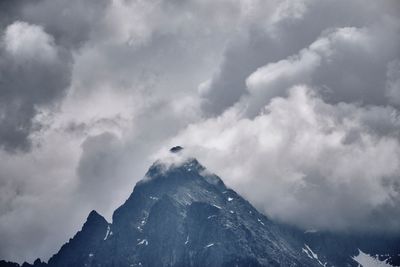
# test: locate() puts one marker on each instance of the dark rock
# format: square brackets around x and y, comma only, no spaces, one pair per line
[8,264]
[79,251]
[176,149]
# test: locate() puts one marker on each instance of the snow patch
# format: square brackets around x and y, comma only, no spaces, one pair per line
[218,207]
[153,198]
[209,245]
[187,240]
[366,260]
[230,199]
[143,242]
[91,254]
[107,233]
[260,222]
[211,216]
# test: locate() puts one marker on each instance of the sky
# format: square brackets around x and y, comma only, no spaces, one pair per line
[294,104]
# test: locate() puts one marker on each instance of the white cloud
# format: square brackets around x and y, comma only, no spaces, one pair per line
[303,161]
[29,42]
[344,64]
[359,44]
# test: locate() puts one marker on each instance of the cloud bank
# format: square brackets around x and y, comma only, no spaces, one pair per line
[307,162]
[294,104]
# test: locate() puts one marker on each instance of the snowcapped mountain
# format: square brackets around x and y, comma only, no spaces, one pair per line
[182,215]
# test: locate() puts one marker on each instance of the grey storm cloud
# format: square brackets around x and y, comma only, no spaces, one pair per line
[34,73]
[295,27]
[35,60]
[70,22]
[287,101]
[345,64]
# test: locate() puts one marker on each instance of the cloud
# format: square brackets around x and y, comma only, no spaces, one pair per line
[304,127]
[26,42]
[34,74]
[393,82]
[71,23]
[36,190]
[99,170]
[344,64]
[303,160]
[358,62]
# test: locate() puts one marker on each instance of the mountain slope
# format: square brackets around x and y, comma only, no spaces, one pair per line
[79,250]
[185,217]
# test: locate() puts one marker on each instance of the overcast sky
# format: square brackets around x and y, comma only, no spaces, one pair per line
[295,104]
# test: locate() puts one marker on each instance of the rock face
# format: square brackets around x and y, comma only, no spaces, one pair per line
[185,216]
[79,251]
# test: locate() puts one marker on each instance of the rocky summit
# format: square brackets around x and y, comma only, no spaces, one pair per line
[182,215]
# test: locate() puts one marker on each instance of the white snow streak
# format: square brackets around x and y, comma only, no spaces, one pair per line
[107,233]
[312,255]
[143,242]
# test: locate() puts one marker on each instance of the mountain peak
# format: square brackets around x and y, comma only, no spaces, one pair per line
[95,217]
[93,214]
[176,149]
[180,214]
[165,167]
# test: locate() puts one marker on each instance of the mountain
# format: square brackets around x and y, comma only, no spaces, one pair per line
[182,215]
